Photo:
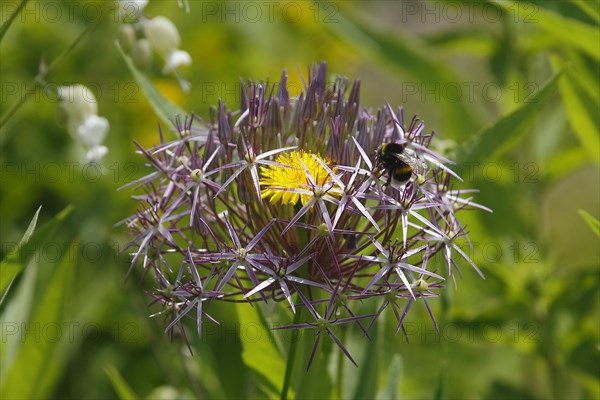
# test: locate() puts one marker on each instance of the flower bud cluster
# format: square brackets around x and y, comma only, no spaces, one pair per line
[140,37]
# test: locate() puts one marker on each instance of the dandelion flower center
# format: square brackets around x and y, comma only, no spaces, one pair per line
[280,181]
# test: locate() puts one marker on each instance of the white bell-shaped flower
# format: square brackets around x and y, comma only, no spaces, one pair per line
[96,153]
[164,37]
[175,59]
[77,102]
[79,105]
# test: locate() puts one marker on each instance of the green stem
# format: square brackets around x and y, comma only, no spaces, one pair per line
[291,360]
[446,303]
[302,242]
[10,19]
[341,363]
[44,70]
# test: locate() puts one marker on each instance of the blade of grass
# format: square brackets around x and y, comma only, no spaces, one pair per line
[15,315]
[588,7]
[390,390]
[566,31]
[124,391]
[592,222]
[260,354]
[369,366]
[581,110]
[43,353]
[17,259]
[505,132]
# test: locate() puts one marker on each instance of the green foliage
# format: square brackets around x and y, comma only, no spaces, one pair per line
[40,357]
[503,134]
[591,221]
[19,257]
[121,387]
[163,108]
[259,350]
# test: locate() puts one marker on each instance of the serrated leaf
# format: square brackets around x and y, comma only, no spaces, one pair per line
[17,259]
[506,130]
[43,352]
[593,223]
[163,108]
[124,391]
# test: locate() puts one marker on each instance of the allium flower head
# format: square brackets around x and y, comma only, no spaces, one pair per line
[286,200]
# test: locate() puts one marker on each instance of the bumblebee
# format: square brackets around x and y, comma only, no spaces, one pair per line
[397,165]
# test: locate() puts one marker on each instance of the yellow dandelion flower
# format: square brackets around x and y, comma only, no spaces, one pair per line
[280,181]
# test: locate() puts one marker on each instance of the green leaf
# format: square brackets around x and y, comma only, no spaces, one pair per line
[259,350]
[316,382]
[495,139]
[17,259]
[411,57]
[124,391]
[163,108]
[566,31]
[584,73]
[582,110]
[8,271]
[369,367]
[593,223]
[474,41]
[588,7]
[390,390]
[44,350]
[15,315]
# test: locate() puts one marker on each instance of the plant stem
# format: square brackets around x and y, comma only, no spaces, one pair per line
[302,241]
[291,359]
[45,70]
[341,363]
[10,19]
[446,303]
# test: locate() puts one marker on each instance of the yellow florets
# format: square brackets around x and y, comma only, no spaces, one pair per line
[291,175]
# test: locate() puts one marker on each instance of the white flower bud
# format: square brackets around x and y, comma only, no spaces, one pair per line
[78,102]
[141,54]
[126,37]
[163,35]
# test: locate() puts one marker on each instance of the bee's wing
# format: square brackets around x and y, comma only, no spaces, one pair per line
[406,159]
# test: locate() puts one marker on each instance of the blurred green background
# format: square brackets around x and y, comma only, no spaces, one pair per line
[71,327]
